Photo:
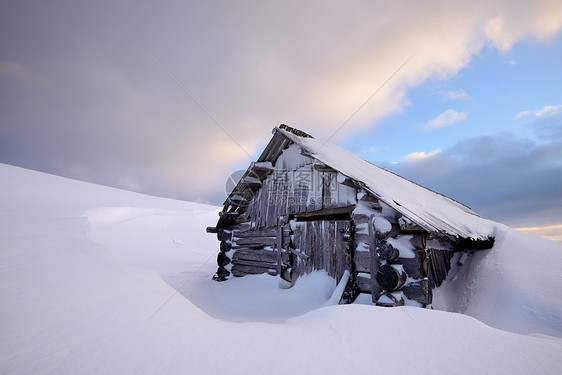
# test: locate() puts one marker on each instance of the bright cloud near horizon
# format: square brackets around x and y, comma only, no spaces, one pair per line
[150,96]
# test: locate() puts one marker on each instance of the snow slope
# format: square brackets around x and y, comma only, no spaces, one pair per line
[87,286]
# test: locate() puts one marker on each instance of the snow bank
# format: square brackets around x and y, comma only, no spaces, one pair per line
[515,286]
[83,291]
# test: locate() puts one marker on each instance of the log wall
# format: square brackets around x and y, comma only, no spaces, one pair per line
[301,216]
[310,188]
[390,260]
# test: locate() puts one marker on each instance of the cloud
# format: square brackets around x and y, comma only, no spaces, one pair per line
[421,155]
[106,112]
[547,110]
[449,117]
[456,95]
[523,114]
[503,177]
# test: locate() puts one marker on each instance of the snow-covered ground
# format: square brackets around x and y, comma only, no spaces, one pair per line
[88,280]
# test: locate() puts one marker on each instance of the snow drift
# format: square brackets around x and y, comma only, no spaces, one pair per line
[100,280]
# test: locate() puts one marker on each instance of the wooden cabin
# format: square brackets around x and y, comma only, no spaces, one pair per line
[305,205]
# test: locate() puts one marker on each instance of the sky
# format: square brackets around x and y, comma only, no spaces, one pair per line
[170,97]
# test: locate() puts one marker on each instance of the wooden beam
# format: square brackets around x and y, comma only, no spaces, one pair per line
[262,166]
[326,211]
[363,284]
[374,264]
[244,262]
[239,270]
[255,233]
[303,256]
[229,214]
[362,261]
[211,230]
[278,246]
[419,291]
[259,255]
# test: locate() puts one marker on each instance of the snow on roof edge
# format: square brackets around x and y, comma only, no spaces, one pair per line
[439,214]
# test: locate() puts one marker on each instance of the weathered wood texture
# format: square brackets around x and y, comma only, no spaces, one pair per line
[322,242]
[374,262]
[259,255]
[384,278]
[440,264]
[305,189]
[389,278]
[254,251]
[363,283]
[419,291]
[240,270]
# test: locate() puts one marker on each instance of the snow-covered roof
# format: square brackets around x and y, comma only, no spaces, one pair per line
[432,211]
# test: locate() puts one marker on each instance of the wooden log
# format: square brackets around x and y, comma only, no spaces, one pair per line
[374,265]
[363,284]
[222,260]
[225,246]
[412,267]
[255,241]
[299,254]
[360,218]
[327,211]
[211,230]
[221,274]
[389,278]
[386,251]
[241,226]
[251,180]
[362,261]
[262,166]
[260,255]
[278,247]
[272,232]
[224,235]
[417,267]
[419,291]
[229,214]
[251,263]
[240,270]
[362,237]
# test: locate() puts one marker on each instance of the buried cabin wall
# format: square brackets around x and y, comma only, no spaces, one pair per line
[390,260]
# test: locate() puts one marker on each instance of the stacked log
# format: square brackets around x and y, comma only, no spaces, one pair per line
[381,269]
[250,252]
